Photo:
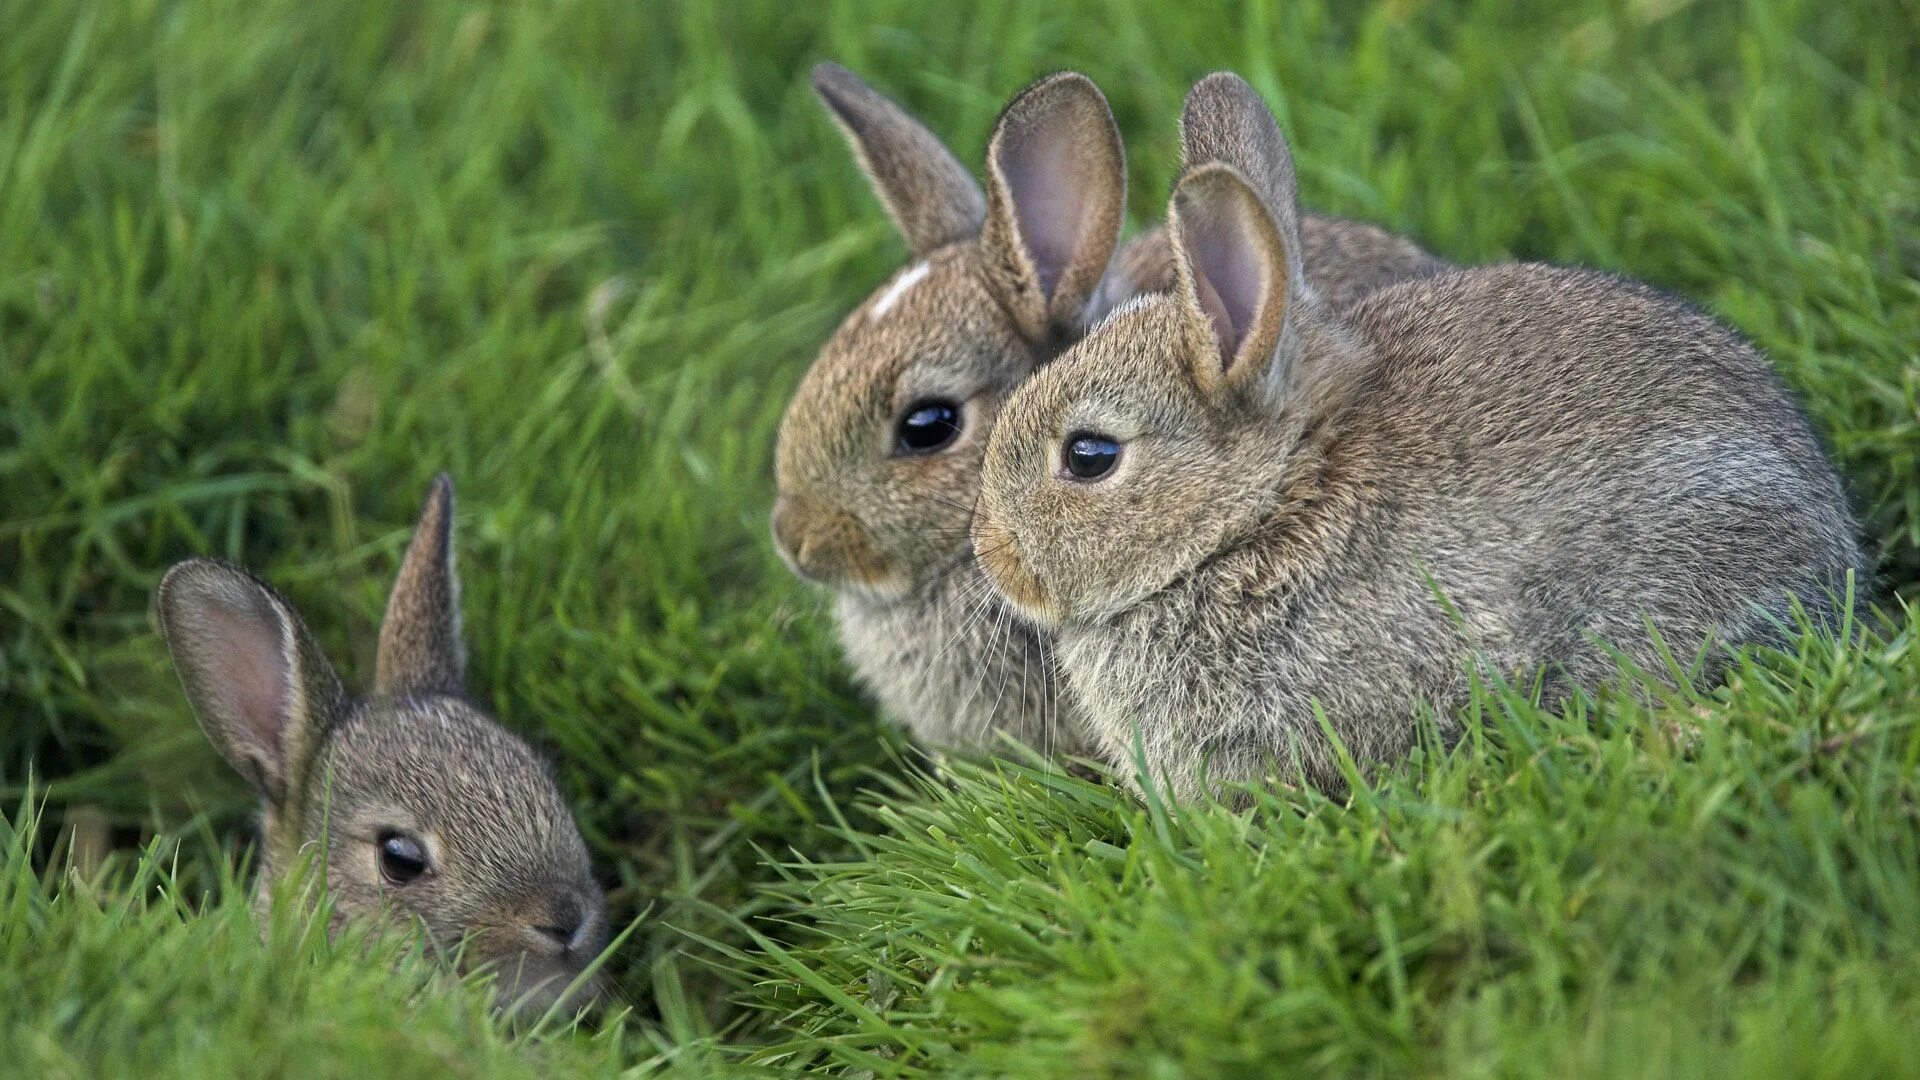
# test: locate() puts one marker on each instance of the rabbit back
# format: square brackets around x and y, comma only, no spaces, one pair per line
[1347,260]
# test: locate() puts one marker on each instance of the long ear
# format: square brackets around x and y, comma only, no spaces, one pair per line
[259,687]
[927,192]
[1232,261]
[1056,194]
[1226,120]
[420,647]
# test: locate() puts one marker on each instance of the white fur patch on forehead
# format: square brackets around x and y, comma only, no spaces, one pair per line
[895,291]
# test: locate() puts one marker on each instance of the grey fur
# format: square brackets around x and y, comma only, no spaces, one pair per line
[945,656]
[1566,456]
[930,196]
[509,874]
[420,647]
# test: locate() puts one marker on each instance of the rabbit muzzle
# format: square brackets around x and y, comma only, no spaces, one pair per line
[539,955]
[829,547]
[998,549]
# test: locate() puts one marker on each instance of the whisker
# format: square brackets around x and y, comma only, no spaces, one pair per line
[972,611]
[1003,638]
[951,502]
[991,623]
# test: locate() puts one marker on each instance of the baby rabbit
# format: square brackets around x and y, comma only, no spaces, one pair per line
[428,809]
[1238,508]
[879,453]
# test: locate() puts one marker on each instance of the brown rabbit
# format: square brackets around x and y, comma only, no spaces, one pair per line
[1238,508]
[879,453]
[429,810]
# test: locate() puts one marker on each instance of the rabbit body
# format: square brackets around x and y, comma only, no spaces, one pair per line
[1563,456]
[1003,281]
[1283,511]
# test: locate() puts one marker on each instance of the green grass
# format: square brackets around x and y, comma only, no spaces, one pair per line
[100,968]
[265,267]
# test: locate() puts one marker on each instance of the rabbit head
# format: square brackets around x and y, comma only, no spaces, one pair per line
[879,452]
[424,809]
[1169,429]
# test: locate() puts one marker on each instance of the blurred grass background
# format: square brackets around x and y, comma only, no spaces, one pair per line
[266,267]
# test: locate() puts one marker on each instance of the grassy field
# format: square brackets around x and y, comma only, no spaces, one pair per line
[265,267]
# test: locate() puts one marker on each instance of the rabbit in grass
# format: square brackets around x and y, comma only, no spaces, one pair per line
[1236,506]
[879,453]
[424,809]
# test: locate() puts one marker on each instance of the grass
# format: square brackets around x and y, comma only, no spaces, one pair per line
[100,967]
[265,267]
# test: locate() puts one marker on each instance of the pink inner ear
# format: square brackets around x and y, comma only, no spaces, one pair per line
[1227,269]
[1216,310]
[1049,210]
[1050,172]
[246,669]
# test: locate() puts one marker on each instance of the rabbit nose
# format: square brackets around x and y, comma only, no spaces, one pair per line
[568,924]
[803,535]
[827,545]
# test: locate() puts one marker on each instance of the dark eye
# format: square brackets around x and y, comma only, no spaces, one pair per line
[1090,457]
[403,858]
[927,426]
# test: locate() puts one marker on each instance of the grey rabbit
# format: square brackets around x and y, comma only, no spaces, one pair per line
[429,810]
[1238,507]
[879,453]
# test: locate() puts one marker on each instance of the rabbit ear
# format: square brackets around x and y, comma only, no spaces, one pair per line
[1238,248]
[1056,194]
[1225,120]
[1231,262]
[420,647]
[260,688]
[930,196]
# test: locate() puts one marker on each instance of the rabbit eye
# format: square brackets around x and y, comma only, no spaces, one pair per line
[927,426]
[1088,456]
[403,858]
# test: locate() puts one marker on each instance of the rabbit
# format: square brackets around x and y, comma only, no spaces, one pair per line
[426,809]
[879,452]
[1239,510]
